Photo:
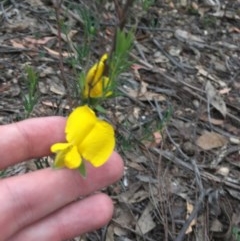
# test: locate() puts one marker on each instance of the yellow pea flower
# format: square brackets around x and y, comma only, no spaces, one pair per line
[88,138]
[96,84]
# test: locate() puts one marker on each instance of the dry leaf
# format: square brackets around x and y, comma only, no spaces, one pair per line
[216,226]
[139,196]
[194,5]
[136,112]
[206,74]
[143,94]
[124,219]
[227,45]
[215,99]
[185,36]
[143,88]
[157,137]
[54,105]
[65,37]
[138,66]
[126,196]
[171,5]
[18,26]
[29,42]
[35,3]
[224,91]
[119,231]
[158,57]
[56,54]
[216,122]
[189,211]
[110,233]
[145,222]
[16,44]
[136,72]
[210,140]
[183,3]
[152,96]
[38,41]
[136,166]
[234,29]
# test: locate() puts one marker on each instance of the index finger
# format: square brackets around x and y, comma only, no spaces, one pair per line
[29,138]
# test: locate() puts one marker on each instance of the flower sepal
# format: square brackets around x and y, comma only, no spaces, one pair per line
[82,169]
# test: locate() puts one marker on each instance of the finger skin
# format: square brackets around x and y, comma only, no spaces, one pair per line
[71,221]
[25,199]
[29,138]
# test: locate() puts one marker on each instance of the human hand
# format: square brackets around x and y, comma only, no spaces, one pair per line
[50,205]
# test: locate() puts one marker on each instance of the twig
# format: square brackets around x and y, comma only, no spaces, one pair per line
[186,85]
[183,67]
[167,132]
[209,112]
[124,14]
[122,17]
[193,214]
[195,167]
[4,12]
[146,64]
[139,50]
[74,15]
[185,165]
[9,49]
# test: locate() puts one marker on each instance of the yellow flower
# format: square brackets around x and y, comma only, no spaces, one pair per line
[88,138]
[96,83]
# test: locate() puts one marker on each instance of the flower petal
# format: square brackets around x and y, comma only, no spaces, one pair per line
[97,90]
[59,147]
[79,124]
[101,89]
[106,86]
[95,76]
[98,144]
[68,157]
[72,158]
[89,81]
[94,79]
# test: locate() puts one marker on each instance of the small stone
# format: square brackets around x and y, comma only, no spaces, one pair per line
[223,171]
[196,103]
[43,87]
[189,148]
[234,140]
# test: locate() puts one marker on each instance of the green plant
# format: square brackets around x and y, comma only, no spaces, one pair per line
[90,23]
[119,58]
[90,27]
[125,143]
[236,233]
[209,21]
[100,81]
[30,99]
[146,4]
[192,11]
